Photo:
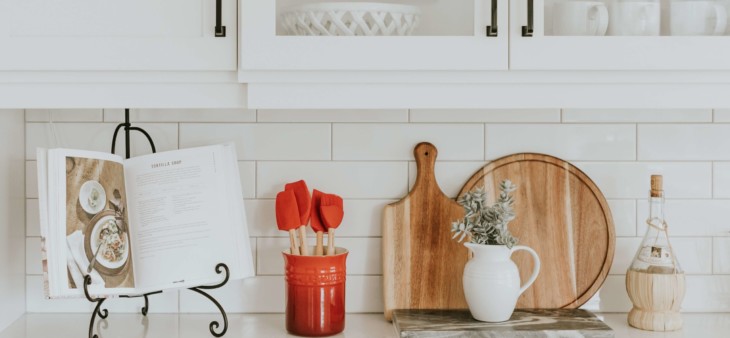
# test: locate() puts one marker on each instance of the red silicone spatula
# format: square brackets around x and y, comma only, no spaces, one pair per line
[287,217]
[316,222]
[331,210]
[304,200]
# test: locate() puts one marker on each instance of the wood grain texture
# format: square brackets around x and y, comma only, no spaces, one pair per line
[564,217]
[422,265]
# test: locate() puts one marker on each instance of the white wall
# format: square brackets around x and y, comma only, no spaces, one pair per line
[366,156]
[12,232]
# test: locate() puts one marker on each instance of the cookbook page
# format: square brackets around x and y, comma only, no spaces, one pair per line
[181,215]
[85,223]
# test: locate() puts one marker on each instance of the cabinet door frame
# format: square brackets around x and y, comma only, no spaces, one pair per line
[263,50]
[541,52]
[132,53]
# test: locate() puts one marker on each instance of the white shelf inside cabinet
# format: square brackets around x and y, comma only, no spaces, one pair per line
[543,51]
[265,47]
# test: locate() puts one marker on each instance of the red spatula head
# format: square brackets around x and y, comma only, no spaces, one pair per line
[316,220]
[304,200]
[287,214]
[331,209]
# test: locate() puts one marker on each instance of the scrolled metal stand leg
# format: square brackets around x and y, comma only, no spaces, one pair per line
[146,306]
[103,313]
[214,324]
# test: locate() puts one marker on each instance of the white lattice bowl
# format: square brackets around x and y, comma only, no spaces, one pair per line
[351,19]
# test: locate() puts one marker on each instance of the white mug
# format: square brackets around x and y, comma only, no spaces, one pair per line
[631,17]
[697,18]
[580,18]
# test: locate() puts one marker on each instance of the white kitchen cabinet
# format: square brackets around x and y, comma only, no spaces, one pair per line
[129,35]
[452,35]
[638,36]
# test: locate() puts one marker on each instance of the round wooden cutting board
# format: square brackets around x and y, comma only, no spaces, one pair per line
[561,214]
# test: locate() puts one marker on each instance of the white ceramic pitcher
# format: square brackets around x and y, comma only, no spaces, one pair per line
[492,281]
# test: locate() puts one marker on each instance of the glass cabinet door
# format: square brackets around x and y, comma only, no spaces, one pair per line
[620,34]
[366,35]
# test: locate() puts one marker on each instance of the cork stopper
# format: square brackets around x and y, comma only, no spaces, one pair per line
[657,186]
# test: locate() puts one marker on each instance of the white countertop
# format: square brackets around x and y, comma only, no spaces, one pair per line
[708,325]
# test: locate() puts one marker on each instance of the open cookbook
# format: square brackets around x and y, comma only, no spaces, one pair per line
[148,223]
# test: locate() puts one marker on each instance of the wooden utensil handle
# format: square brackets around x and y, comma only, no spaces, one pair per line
[330,242]
[303,241]
[293,246]
[319,250]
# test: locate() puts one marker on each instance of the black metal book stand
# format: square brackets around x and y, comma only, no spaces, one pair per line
[220,268]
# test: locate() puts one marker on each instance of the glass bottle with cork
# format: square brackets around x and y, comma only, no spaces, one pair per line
[655,281]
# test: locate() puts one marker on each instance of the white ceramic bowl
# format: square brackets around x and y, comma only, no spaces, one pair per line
[351,19]
[94,242]
[85,193]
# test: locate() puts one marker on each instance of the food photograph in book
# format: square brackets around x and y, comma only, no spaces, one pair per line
[97,232]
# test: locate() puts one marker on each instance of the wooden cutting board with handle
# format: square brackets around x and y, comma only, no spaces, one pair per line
[564,217]
[422,265]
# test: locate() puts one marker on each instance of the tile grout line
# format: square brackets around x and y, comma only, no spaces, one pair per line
[636,142]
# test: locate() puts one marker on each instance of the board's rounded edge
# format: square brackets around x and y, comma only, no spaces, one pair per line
[595,190]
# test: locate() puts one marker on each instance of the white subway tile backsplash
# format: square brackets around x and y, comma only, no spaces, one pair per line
[362,218]
[623,254]
[636,115]
[36,302]
[33,264]
[260,294]
[364,294]
[691,217]
[381,180]
[451,176]
[694,254]
[31,179]
[609,142]
[63,115]
[704,294]
[333,115]
[273,141]
[266,294]
[248,178]
[631,179]
[722,115]
[363,258]
[393,142]
[181,115]
[32,218]
[707,294]
[97,137]
[366,156]
[721,255]
[721,180]
[624,217]
[486,115]
[684,142]
[612,297]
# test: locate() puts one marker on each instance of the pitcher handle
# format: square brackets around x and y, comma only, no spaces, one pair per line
[535,270]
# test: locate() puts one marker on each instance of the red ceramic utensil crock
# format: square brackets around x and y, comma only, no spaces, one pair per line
[315,294]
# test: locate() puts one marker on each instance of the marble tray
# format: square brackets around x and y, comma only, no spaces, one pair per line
[524,323]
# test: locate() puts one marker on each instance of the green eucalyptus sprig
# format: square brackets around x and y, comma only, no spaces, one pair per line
[486,224]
